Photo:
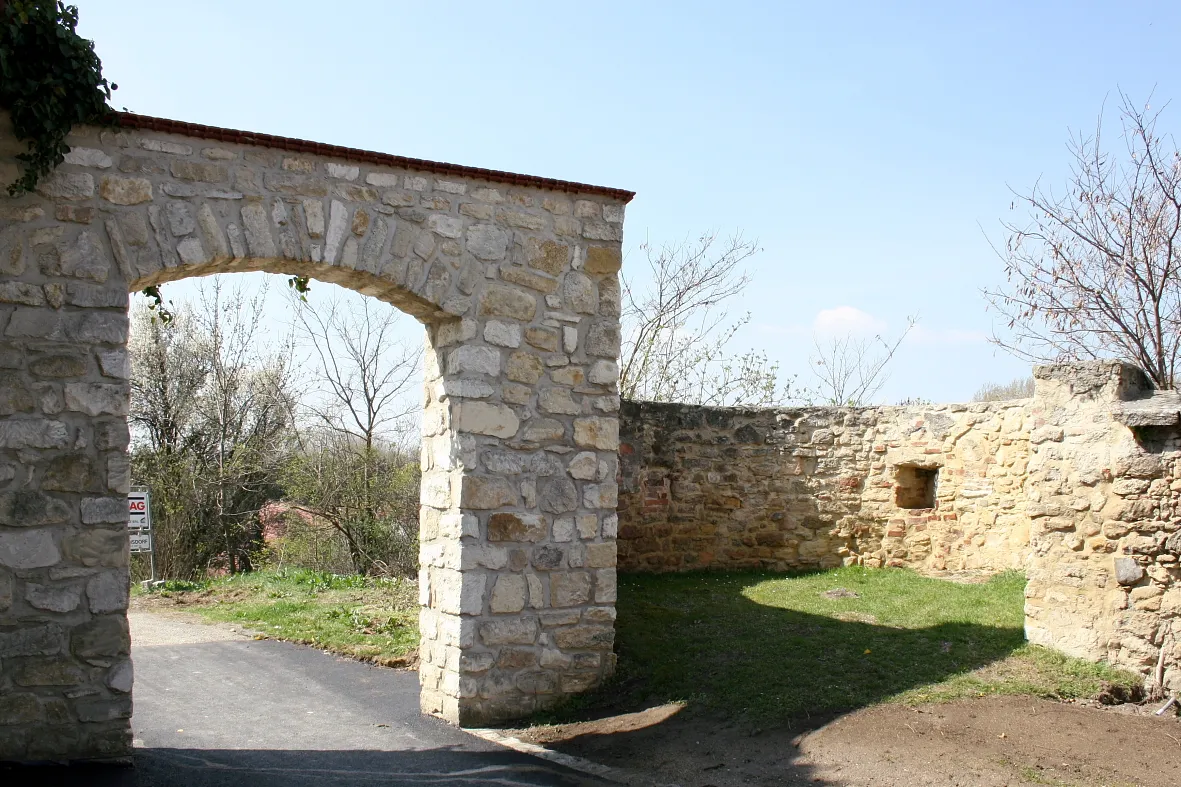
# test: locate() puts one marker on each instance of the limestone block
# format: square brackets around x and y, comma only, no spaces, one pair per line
[557,495]
[486,492]
[125,191]
[24,549]
[516,527]
[600,433]
[509,594]
[569,589]
[67,186]
[502,334]
[54,598]
[470,359]
[487,242]
[524,367]
[487,418]
[520,630]
[107,592]
[501,301]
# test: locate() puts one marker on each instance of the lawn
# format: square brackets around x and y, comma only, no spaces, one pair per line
[774,647]
[765,646]
[367,618]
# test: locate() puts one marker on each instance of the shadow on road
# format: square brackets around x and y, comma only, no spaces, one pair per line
[275,768]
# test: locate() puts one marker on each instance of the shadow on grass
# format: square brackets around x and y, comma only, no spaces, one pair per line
[703,639]
[754,653]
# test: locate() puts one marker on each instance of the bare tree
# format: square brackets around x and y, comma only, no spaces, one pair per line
[354,470]
[676,336]
[1094,271]
[850,371]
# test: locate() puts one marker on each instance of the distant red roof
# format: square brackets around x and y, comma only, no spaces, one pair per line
[163,125]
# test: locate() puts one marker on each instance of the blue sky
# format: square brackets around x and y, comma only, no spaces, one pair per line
[869,147]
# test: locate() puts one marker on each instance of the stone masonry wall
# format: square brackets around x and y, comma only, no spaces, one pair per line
[1080,486]
[805,487]
[1105,501]
[516,280]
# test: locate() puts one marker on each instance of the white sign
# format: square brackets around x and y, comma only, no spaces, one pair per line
[141,541]
[139,510]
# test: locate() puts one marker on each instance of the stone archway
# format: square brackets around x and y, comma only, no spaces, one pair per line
[515,279]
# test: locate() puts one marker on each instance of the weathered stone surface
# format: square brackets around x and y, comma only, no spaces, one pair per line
[487,242]
[470,359]
[497,420]
[569,589]
[580,293]
[97,398]
[484,492]
[502,334]
[557,495]
[509,631]
[23,549]
[126,191]
[67,186]
[603,340]
[601,433]
[54,598]
[107,592]
[104,636]
[95,546]
[543,338]
[30,509]
[37,640]
[544,430]
[602,260]
[7,586]
[516,527]
[501,301]
[509,594]
[1128,571]
[524,367]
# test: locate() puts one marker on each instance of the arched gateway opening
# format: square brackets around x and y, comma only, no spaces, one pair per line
[515,280]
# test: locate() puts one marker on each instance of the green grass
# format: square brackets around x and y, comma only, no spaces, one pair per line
[361,617]
[773,647]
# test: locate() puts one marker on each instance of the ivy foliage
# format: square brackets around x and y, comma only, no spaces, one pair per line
[50,81]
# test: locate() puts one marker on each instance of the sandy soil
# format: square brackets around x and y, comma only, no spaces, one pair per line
[972,743]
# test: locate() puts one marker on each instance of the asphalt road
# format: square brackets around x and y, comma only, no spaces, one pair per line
[217,709]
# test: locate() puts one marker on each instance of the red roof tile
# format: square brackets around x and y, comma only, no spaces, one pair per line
[147,123]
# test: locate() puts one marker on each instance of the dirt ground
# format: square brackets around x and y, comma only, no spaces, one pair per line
[971,743]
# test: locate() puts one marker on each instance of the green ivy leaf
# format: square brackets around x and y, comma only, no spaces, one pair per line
[50,81]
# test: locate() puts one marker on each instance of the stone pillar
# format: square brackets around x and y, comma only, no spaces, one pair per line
[1104,488]
[518,523]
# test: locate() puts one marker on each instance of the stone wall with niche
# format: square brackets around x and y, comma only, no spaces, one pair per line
[935,487]
[1079,486]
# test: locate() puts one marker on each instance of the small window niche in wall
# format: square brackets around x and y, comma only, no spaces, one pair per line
[914,487]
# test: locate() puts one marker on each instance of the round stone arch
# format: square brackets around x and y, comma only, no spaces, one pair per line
[514,278]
